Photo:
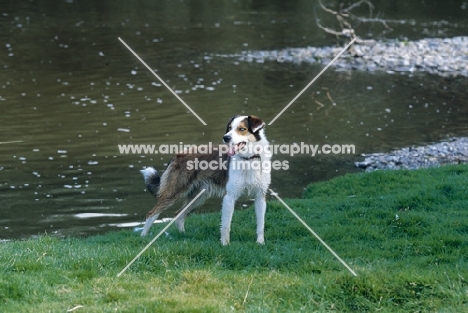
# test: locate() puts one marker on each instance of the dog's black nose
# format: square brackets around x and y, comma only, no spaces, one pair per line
[226,138]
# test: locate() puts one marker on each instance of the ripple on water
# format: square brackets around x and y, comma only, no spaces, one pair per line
[94,215]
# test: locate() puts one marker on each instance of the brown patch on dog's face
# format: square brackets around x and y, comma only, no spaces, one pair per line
[243,128]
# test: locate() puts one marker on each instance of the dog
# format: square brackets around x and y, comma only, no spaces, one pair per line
[247,158]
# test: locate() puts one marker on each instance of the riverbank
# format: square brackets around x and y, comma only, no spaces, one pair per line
[403,232]
[441,56]
[453,151]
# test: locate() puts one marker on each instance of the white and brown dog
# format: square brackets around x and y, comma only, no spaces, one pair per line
[247,168]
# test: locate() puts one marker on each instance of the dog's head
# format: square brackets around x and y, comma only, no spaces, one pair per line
[242,130]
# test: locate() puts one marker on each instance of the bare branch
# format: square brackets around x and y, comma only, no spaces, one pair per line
[327,9]
[357,4]
[344,16]
[343,32]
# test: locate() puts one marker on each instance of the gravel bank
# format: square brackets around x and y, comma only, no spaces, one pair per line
[454,151]
[442,56]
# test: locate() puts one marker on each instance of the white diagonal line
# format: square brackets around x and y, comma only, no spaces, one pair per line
[313,233]
[161,232]
[313,80]
[162,81]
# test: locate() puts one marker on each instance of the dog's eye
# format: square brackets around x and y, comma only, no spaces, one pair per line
[241,129]
[229,128]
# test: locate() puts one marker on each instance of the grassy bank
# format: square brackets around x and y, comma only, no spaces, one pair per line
[404,233]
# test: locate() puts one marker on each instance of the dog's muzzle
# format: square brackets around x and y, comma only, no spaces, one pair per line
[227,138]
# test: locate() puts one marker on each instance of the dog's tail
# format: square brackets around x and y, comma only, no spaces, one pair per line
[152,180]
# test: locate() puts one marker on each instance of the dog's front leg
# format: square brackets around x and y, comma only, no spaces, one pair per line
[260,209]
[226,217]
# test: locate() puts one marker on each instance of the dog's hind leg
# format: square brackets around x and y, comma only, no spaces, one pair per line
[180,222]
[149,221]
[152,215]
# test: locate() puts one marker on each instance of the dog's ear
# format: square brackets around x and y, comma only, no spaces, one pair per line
[229,123]
[255,123]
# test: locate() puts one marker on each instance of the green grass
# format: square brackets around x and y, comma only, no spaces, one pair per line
[416,262]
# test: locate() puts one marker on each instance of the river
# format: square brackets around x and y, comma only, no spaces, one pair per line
[71,92]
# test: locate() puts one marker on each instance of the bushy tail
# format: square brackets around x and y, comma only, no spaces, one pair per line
[152,180]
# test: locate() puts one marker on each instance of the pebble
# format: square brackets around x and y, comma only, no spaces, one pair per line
[442,56]
[453,151]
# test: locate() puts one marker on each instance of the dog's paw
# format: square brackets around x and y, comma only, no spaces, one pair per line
[225,241]
[180,226]
[261,241]
[144,232]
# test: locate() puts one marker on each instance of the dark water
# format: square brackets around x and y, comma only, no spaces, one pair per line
[70,92]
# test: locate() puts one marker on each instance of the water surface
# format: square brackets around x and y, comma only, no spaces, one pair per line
[70,92]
